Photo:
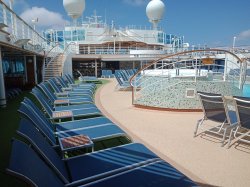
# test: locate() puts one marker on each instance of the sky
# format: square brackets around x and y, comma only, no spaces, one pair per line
[213,23]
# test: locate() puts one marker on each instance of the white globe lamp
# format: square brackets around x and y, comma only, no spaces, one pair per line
[74,8]
[155,10]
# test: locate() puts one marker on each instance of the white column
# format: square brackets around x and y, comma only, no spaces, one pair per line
[95,68]
[88,49]
[2,86]
[35,68]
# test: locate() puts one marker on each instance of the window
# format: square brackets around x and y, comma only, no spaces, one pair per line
[160,37]
[67,35]
[13,66]
[81,35]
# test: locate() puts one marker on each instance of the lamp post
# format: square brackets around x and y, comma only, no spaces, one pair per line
[11,4]
[234,42]
[34,21]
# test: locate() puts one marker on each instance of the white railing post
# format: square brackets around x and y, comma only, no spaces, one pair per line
[225,68]
[195,78]
[23,33]
[243,68]
[5,17]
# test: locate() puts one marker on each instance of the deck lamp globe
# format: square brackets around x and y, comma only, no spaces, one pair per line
[155,10]
[74,8]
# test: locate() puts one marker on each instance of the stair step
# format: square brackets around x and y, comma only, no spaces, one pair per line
[54,67]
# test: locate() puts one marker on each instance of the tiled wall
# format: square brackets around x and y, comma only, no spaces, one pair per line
[171,93]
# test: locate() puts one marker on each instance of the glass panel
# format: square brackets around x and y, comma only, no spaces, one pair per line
[160,37]
[60,33]
[67,35]
[1,14]
[6,67]
[81,35]
[9,23]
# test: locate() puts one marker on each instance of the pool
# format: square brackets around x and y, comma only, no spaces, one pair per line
[246,90]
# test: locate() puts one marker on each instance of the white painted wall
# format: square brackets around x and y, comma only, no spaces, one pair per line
[67,68]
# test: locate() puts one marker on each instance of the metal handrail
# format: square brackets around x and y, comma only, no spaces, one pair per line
[65,51]
[24,31]
[176,55]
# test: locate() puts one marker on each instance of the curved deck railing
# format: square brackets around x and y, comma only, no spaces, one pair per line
[148,87]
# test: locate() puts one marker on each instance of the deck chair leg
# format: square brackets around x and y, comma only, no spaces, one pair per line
[229,139]
[224,136]
[222,125]
[240,137]
[199,123]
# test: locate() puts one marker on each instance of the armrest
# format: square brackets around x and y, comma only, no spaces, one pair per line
[75,142]
[62,94]
[61,102]
[67,89]
[62,114]
[73,85]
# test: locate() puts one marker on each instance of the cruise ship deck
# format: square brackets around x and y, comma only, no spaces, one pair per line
[155,108]
[170,135]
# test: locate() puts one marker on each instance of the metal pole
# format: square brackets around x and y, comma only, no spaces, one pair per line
[43,70]
[35,68]
[241,74]
[95,68]
[225,68]
[195,70]
[2,86]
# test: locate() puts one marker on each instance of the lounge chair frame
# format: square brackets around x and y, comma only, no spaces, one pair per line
[225,125]
[234,133]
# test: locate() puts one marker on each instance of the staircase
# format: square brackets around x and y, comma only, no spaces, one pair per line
[54,66]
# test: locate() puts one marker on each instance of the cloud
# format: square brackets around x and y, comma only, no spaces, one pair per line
[244,35]
[46,18]
[136,2]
